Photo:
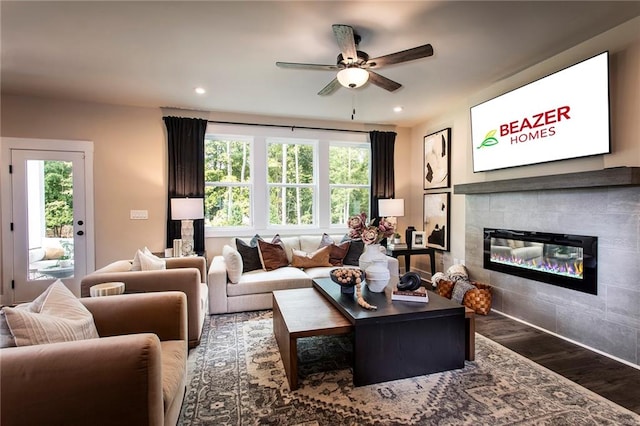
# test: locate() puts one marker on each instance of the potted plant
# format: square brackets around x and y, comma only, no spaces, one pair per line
[396,238]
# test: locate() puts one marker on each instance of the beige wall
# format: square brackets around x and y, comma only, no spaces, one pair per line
[130,157]
[623,44]
[129,164]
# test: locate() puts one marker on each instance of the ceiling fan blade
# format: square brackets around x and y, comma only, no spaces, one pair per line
[306,66]
[346,41]
[383,82]
[330,88]
[404,56]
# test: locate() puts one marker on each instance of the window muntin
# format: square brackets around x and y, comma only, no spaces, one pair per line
[228,180]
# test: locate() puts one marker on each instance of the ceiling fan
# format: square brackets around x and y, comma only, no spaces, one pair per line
[354,66]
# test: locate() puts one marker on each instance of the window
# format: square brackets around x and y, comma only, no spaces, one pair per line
[349,180]
[269,180]
[228,182]
[291,181]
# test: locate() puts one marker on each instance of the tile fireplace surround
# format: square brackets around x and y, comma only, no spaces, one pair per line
[608,209]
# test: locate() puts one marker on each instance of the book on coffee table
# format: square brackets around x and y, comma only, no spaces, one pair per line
[410,296]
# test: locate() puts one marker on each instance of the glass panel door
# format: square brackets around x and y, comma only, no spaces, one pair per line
[48,217]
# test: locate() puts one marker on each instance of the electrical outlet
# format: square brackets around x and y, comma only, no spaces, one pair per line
[462,262]
[139,214]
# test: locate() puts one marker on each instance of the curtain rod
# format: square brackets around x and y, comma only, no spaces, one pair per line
[287,127]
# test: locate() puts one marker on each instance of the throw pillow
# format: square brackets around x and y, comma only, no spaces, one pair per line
[6,338]
[136,266]
[233,260]
[319,257]
[249,253]
[272,255]
[61,318]
[150,262]
[356,247]
[338,251]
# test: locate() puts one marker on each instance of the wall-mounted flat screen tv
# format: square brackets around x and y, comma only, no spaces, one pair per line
[563,115]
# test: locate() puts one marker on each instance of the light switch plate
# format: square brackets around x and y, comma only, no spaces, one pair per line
[139,214]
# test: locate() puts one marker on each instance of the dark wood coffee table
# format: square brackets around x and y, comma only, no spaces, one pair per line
[400,339]
[302,312]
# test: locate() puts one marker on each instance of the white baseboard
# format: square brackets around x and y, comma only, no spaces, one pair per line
[630,364]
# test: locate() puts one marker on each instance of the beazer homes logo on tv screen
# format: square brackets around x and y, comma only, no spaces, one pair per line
[537,126]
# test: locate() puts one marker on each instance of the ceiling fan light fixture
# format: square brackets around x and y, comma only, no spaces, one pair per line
[353,77]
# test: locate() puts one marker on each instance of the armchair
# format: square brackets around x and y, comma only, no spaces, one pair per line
[185,274]
[134,374]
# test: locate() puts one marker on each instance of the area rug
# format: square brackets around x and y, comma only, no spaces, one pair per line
[236,377]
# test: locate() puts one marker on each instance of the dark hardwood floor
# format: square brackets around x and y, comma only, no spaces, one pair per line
[611,379]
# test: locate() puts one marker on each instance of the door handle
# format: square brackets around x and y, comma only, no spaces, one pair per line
[80,232]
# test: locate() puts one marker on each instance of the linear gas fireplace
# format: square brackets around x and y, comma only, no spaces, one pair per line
[564,260]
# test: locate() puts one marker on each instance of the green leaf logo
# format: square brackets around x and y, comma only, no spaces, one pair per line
[489,139]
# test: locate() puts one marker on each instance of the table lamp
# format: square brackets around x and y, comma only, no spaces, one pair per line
[391,208]
[186,210]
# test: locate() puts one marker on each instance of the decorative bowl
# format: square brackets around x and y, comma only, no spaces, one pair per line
[347,278]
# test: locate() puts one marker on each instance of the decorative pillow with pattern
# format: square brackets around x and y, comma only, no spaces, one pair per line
[60,318]
[318,258]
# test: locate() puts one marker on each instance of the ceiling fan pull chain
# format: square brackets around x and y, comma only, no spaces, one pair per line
[353,105]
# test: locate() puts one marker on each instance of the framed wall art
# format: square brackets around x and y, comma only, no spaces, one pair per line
[436,220]
[437,159]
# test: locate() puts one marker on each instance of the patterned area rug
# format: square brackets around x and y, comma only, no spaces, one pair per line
[237,378]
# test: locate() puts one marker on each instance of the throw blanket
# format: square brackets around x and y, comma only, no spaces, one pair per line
[460,289]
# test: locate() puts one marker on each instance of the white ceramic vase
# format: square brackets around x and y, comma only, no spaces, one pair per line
[373,262]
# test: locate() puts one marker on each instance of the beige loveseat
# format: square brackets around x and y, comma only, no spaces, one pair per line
[253,290]
[186,274]
[134,374]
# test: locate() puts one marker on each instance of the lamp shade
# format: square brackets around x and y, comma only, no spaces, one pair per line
[391,207]
[353,77]
[187,208]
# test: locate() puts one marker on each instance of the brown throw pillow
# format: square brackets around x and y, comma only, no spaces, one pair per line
[272,255]
[338,251]
[319,257]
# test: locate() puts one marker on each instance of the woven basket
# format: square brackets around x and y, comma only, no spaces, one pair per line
[478,299]
[444,288]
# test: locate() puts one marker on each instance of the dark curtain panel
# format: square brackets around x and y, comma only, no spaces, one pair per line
[382,171]
[185,137]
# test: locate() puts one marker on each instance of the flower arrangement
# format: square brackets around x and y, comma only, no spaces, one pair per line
[369,234]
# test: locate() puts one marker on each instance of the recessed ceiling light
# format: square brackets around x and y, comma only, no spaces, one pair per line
[398,109]
[200,90]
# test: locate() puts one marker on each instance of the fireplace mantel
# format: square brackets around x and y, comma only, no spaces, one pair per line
[618,176]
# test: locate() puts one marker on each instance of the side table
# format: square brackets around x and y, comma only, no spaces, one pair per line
[408,252]
[106,289]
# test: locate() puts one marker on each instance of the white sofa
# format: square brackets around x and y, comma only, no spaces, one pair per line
[253,289]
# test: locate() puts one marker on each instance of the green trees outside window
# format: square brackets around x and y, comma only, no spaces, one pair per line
[227,178]
[290,172]
[349,180]
[58,198]
[291,181]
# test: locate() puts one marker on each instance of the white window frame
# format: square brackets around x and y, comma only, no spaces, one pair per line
[259,193]
[249,184]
